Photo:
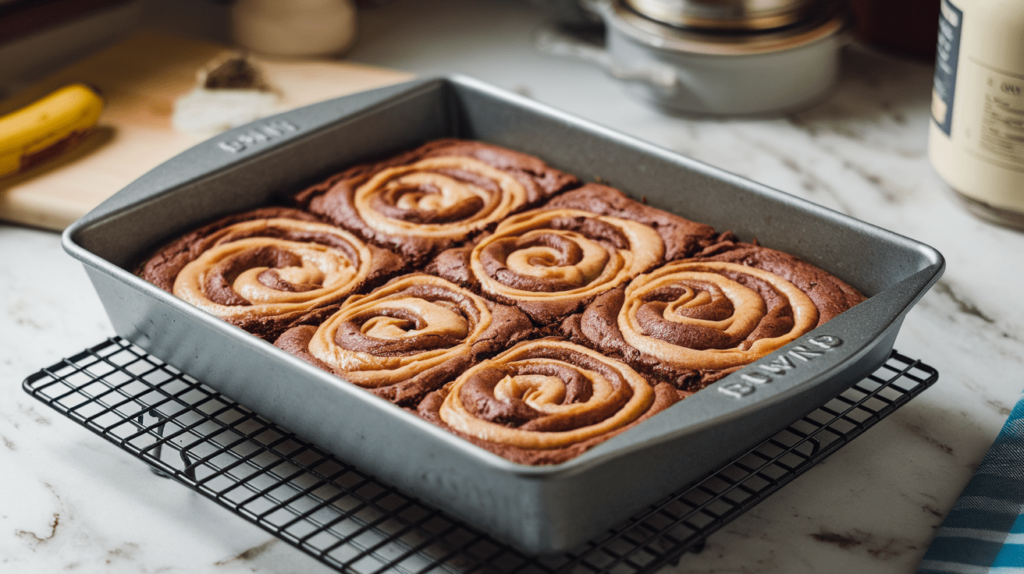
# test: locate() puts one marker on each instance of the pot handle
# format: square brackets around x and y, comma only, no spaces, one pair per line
[663,78]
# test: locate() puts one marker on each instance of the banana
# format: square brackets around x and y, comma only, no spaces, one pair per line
[47,127]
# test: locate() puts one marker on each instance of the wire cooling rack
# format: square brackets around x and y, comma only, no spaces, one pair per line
[352,521]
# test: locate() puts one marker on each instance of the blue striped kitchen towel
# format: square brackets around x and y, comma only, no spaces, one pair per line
[984,533]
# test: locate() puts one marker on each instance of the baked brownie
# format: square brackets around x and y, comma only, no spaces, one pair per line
[681,237]
[545,401]
[692,322]
[434,196]
[267,269]
[407,337]
[552,261]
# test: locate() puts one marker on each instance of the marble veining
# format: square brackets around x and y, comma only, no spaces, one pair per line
[72,502]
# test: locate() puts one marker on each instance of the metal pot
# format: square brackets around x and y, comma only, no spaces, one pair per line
[720,71]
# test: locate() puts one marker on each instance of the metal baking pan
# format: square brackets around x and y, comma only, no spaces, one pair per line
[539,509]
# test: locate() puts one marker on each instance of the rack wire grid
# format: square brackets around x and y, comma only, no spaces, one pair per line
[355,523]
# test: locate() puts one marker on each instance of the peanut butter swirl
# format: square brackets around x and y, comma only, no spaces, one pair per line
[713,315]
[277,267]
[410,325]
[552,261]
[545,394]
[438,197]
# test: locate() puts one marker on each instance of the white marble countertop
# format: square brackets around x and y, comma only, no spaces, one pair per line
[71,501]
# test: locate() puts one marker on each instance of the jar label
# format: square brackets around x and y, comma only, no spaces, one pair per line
[1000,136]
[951,23]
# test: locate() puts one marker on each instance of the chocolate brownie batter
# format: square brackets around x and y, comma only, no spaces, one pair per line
[268,269]
[435,196]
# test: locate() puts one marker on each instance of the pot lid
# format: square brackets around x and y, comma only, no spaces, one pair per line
[724,14]
[825,20]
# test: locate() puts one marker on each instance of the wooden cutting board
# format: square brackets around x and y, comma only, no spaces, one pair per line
[140,79]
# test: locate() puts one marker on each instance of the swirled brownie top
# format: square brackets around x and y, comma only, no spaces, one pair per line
[552,261]
[692,322]
[680,236]
[267,269]
[434,196]
[409,337]
[545,401]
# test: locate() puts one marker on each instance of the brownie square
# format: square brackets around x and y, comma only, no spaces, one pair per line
[545,401]
[435,196]
[553,261]
[268,269]
[692,322]
[408,337]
